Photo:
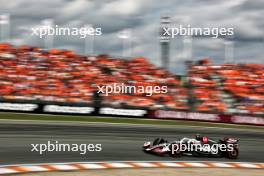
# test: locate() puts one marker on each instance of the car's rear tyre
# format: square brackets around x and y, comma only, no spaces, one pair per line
[158,141]
[233,154]
[175,151]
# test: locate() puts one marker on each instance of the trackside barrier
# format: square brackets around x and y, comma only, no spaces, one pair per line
[89,110]
[196,116]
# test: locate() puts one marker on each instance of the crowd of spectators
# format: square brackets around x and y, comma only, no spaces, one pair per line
[33,74]
[30,73]
[228,88]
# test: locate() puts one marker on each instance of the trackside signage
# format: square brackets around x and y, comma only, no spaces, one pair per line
[247,120]
[161,114]
[18,107]
[123,112]
[68,109]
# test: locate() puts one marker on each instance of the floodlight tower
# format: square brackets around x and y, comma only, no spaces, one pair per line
[229,50]
[187,41]
[187,44]
[4,27]
[165,41]
[126,35]
[49,39]
[89,42]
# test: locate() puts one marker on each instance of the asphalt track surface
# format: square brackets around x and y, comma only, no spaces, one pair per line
[119,142]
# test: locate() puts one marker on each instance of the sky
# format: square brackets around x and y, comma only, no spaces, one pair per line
[142,17]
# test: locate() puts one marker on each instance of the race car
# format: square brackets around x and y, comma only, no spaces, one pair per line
[198,146]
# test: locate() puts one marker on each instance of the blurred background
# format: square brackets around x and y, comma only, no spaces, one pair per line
[223,75]
[143,19]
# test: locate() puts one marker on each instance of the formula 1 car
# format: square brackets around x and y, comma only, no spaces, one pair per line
[198,146]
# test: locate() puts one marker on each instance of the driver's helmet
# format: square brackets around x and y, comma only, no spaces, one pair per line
[205,140]
[198,137]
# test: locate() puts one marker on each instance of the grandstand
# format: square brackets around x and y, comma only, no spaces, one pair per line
[62,76]
[228,88]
